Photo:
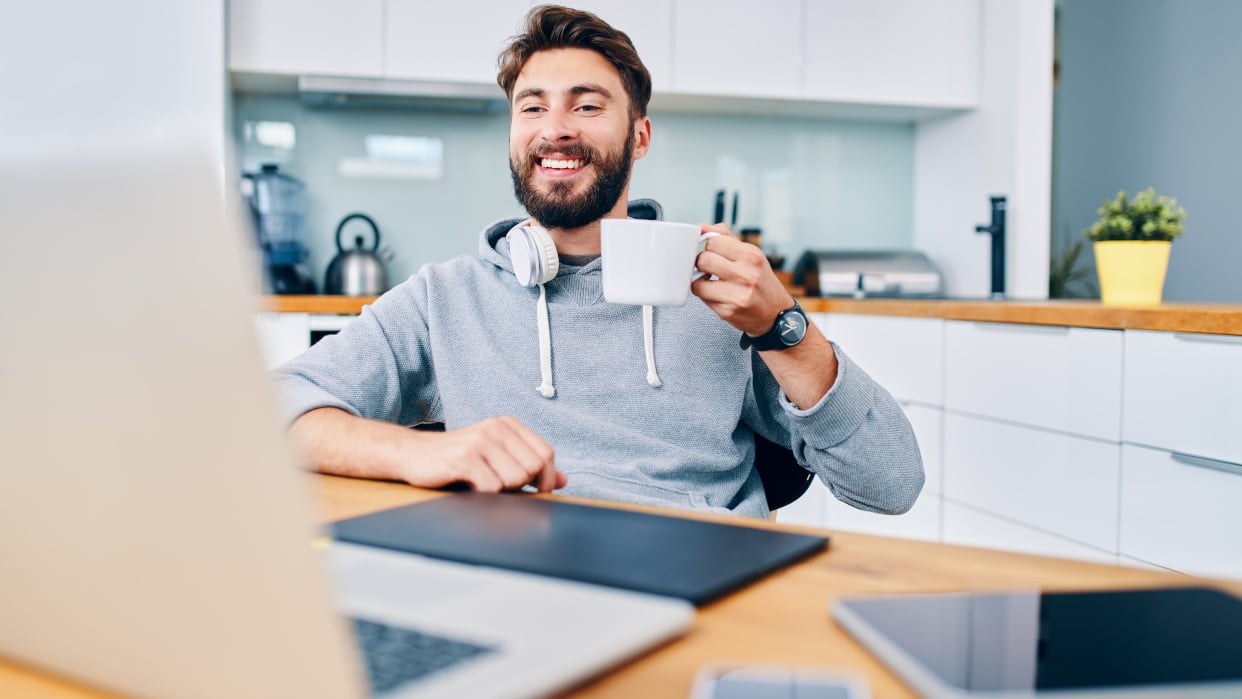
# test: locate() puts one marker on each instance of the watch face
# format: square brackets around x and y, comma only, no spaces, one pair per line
[792,328]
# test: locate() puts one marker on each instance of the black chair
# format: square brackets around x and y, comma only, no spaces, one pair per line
[784,480]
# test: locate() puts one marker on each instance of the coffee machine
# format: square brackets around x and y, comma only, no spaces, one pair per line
[278,210]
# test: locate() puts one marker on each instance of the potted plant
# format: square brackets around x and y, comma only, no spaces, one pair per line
[1132,242]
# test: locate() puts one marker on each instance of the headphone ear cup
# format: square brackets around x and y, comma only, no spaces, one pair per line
[532,252]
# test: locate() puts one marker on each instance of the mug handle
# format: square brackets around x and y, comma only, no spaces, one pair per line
[698,250]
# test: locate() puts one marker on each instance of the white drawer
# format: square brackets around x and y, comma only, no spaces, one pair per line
[281,336]
[1180,515]
[1059,483]
[1066,379]
[905,355]
[926,422]
[1183,392]
[807,510]
[921,522]
[966,526]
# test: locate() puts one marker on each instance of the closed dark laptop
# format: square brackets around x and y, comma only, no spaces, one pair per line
[693,560]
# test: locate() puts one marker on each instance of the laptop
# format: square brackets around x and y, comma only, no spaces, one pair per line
[1182,643]
[155,537]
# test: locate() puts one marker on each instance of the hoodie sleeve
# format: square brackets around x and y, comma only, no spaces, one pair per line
[377,367]
[856,439]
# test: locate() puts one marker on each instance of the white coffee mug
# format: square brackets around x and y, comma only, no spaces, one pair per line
[649,263]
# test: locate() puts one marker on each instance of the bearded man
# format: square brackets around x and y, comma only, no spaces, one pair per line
[463,343]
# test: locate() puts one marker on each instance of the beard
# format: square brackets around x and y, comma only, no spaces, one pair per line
[558,207]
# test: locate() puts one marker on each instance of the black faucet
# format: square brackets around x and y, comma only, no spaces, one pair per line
[997,231]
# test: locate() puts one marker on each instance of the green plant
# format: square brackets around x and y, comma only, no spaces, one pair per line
[1067,277]
[1146,217]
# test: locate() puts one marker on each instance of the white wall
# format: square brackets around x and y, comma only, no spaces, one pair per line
[1003,147]
[84,76]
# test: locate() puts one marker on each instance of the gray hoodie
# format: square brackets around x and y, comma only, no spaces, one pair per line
[459,342]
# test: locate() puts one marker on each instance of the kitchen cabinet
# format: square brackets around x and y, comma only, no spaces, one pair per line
[649,24]
[1055,377]
[283,336]
[894,52]
[897,53]
[738,48]
[967,526]
[1053,482]
[905,355]
[1181,513]
[306,37]
[448,41]
[1183,393]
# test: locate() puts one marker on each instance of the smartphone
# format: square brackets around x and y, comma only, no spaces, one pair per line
[737,680]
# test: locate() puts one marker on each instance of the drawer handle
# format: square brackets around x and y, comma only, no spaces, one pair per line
[1204,462]
[1042,329]
[1214,339]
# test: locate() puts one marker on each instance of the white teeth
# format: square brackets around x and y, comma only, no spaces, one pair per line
[561,164]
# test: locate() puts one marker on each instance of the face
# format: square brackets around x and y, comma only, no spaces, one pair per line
[571,139]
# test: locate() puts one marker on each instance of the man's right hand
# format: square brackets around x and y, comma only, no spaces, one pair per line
[493,455]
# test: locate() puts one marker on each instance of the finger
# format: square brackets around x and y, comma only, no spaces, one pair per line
[523,457]
[480,477]
[720,228]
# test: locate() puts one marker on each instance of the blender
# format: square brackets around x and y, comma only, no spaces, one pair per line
[278,209]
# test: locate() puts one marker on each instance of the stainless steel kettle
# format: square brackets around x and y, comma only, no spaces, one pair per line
[360,270]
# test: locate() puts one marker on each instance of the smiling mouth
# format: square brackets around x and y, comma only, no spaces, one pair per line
[554,164]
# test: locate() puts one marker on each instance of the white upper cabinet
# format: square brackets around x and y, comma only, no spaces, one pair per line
[738,48]
[307,37]
[648,23]
[911,52]
[903,53]
[449,41]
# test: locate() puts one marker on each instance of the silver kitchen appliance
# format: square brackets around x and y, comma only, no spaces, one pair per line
[868,273]
[358,271]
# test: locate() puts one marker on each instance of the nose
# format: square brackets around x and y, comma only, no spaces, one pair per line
[558,126]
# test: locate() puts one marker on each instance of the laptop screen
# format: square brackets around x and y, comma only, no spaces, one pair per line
[1023,641]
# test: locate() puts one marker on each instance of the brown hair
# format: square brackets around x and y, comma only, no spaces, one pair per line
[555,27]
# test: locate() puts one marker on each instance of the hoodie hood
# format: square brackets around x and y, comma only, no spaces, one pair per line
[494,248]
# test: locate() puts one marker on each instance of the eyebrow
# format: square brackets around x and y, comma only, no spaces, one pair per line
[575,91]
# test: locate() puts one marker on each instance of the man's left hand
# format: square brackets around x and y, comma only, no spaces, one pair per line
[746,292]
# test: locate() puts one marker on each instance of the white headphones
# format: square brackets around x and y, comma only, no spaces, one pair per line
[533,255]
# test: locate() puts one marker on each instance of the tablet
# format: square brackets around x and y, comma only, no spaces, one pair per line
[1175,642]
[698,561]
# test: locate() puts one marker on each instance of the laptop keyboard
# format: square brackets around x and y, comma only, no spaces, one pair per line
[395,655]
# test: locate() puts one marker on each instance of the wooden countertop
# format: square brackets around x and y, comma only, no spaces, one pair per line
[1217,318]
[783,618]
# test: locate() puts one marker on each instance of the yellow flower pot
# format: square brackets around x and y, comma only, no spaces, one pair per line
[1132,271]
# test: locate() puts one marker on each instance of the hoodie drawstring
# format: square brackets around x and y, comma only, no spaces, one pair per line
[653,379]
[545,388]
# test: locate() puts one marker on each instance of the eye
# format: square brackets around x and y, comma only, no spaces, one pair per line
[590,108]
[531,109]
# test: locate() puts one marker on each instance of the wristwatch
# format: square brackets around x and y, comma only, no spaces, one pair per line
[789,329]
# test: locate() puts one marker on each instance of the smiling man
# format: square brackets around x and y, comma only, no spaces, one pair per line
[462,343]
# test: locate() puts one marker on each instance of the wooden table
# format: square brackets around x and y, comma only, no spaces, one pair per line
[783,618]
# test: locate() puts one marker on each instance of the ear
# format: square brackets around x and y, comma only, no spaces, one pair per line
[642,137]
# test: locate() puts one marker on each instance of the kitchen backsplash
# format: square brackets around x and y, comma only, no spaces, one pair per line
[433,179]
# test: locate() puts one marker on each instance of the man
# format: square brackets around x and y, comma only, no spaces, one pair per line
[463,342]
